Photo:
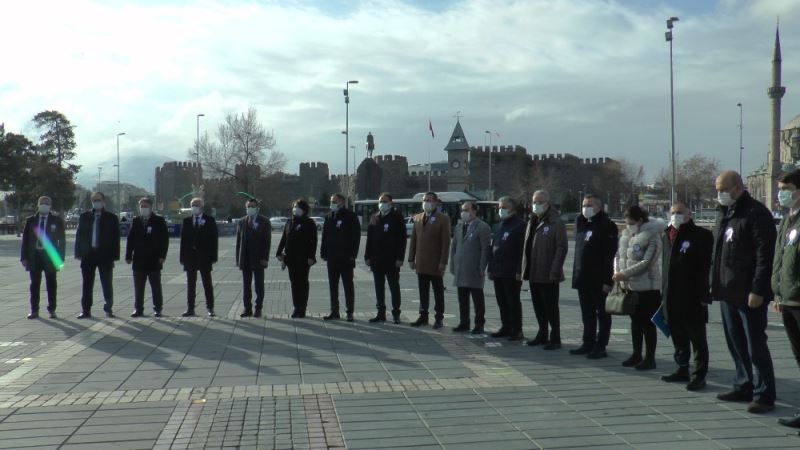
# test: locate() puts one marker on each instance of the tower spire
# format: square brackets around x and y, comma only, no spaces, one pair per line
[775,93]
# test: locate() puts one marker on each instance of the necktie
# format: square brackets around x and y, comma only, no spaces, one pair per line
[96,231]
[424,220]
[196,221]
[464,231]
[42,229]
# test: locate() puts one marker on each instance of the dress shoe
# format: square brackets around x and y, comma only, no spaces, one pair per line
[735,396]
[188,313]
[53,315]
[477,330]
[646,364]
[378,318]
[438,324]
[110,314]
[301,315]
[211,313]
[33,315]
[696,384]
[632,361]
[84,315]
[295,314]
[582,350]
[537,341]
[461,328]
[682,374]
[793,422]
[157,314]
[597,353]
[396,320]
[350,317]
[502,332]
[756,407]
[518,336]
[246,313]
[552,345]
[136,314]
[421,320]
[331,316]
[257,312]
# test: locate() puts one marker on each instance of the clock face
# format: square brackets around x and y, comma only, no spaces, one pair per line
[456,164]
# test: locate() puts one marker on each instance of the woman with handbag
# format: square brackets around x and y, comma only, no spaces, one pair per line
[637,268]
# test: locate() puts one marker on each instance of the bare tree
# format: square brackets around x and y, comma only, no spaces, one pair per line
[695,180]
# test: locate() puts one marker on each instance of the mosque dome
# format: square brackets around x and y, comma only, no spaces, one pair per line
[794,123]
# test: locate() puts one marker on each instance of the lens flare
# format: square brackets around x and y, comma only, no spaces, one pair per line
[50,249]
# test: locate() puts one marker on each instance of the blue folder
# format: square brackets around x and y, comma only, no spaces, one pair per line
[658,320]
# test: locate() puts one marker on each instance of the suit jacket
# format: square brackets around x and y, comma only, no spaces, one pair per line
[469,254]
[546,248]
[147,244]
[54,231]
[507,245]
[386,241]
[684,279]
[430,243]
[341,237]
[253,241]
[108,240]
[596,241]
[299,241]
[199,244]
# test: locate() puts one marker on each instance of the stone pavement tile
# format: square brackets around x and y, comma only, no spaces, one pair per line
[694,445]
[29,441]
[127,445]
[561,442]
[379,425]
[494,438]
[533,425]
[397,434]
[565,430]
[413,442]
[520,444]
[674,436]
[32,425]
[42,431]
[48,416]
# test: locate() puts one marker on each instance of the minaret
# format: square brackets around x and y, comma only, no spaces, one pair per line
[775,93]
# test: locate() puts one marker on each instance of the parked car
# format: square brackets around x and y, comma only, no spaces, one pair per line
[278,223]
[409,225]
[320,221]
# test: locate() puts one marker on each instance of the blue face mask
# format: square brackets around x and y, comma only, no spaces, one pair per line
[503,213]
[785,198]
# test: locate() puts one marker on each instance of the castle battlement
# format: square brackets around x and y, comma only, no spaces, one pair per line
[390,158]
[500,149]
[313,165]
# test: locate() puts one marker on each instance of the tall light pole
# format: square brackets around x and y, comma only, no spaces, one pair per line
[668,35]
[119,186]
[353,148]
[197,150]
[741,148]
[99,174]
[489,193]
[347,135]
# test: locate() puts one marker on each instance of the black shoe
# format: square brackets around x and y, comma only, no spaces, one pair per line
[211,313]
[597,353]
[477,330]
[295,314]
[257,312]
[632,361]
[246,313]
[461,328]
[157,314]
[735,396]
[33,315]
[582,350]
[516,336]
[378,318]
[437,324]
[331,316]
[84,315]
[301,315]
[188,313]
[350,317]
[552,345]
[696,384]
[396,320]
[502,332]
[682,374]
[537,341]
[793,422]
[756,407]
[646,364]
[421,320]
[136,314]
[53,315]
[110,314]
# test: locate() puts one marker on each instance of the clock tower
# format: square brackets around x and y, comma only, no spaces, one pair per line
[458,160]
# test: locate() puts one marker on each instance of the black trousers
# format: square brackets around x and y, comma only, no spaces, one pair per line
[642,326]
[298,278]
[106,271]
[343,270]
[35,272]
[746,336]
[140,278]
[690,338]
[545,306]
[791,323]
[248,277]
[596,322]
[392,276]
[191,288]
[507,292]
[425,282]
[478,299]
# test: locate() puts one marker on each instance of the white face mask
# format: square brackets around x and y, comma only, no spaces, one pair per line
[632,229]
[676,220]
[785,198]
[539,208]
[144,211]
[252,211]
[465,216]
[724,198]
[427,207]
[588,212]
[297,212]
[44,209]
[384,207]
[196,210]
[97,205]
[334,207]
[503,213]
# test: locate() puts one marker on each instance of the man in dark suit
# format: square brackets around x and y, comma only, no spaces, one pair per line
[148,241]
[385,253]
[341,236]
[97,247]
[198,254]
[253,239]
[43,250]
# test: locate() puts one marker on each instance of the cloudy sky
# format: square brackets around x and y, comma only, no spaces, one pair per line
[587,77]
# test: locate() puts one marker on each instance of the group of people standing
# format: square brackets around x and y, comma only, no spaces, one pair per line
[680,268]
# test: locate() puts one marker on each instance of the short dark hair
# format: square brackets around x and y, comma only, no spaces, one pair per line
[147,200]
[302,204]
[386,194]
[252,200]
[103,196]
[339,196]
[792,177]
[472,205]
[636,213]
[593,197]
[435,197]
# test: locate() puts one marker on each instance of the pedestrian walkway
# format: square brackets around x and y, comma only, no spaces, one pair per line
[284,383]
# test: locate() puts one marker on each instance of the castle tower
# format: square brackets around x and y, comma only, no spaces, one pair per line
[775,93]
[458,159]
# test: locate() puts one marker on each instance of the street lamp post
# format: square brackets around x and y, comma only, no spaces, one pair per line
[197,150]
[741,148]
[119,186]
[347,134]
[353,148]
[668,35]
[489,193]
[99,174]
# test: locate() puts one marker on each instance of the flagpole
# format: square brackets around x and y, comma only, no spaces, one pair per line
[430,168]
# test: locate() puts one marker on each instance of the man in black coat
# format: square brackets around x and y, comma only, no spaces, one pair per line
[596,238]
[505,269]
[744,246]
[43,250]
[199,244]
[341,236]
[253,239]
[146,249]
[385,253]
[97,247]
[684,292]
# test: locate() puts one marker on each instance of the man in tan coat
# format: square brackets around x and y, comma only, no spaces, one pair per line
[427,255]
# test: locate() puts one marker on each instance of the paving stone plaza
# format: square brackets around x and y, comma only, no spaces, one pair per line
[284,383]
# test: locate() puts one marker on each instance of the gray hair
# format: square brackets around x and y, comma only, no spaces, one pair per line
[544,194]
[472,205]
[508,201]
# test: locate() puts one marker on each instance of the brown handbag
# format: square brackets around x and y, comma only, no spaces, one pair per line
[622,301]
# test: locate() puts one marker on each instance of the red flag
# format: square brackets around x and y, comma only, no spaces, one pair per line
[430,127]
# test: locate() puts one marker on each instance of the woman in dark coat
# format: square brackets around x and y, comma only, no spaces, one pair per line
[297,251]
